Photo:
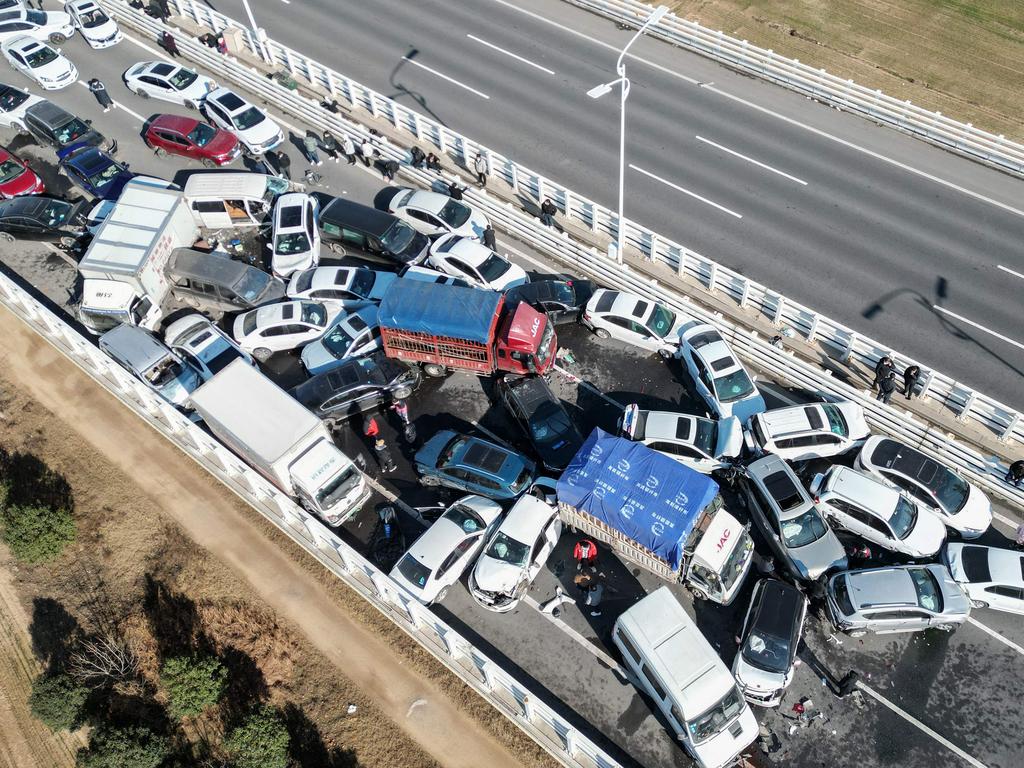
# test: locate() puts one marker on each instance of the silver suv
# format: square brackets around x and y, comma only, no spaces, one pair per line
[902,598]
[152,363]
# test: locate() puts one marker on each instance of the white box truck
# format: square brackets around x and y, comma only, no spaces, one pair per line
[124,277]
[282,440]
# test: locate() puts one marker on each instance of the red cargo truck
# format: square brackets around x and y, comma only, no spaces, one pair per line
[446,327]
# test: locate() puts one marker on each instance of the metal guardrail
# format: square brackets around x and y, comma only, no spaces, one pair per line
[509,696]
[833,338]
[962,138]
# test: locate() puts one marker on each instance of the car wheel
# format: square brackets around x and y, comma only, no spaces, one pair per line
[160,151]
[57,38]
[946,627]
[665,354]
[441,595]
[434,370]
[189,104]
[262,354]
[601,333]
[978,604]
[429,481]
[142,94]
[6,237]
[401,393]
[337,249]
[857,633]
[66,242]
[208,163]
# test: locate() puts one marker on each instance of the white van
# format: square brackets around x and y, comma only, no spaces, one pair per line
[222,199]
[677,667]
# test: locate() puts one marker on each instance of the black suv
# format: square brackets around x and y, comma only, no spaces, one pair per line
[374,233]
[357,385]
[530,401]
[561,300]
[35,217]
[54,127]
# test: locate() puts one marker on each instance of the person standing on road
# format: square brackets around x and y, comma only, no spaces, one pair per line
[886,387]
[480,166]
[585,554]
[169,44]
[348,149]
[1015,474]
[883,368]
[489,239]
[310,144]
[547,212]
[455,191]
[366,152]
[283,163]
[384,457]
[416,157]
[330,146]
[910,378]
[99,90]
[389,168]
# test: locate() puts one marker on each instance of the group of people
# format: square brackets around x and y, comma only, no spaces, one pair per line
[885,379]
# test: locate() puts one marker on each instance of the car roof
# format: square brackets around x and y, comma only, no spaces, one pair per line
[622,304]
[353,372]
[24,44]
[666,425]
[881,587]
[48,112]
[526,519]
[483,456]
[863,489]
[338,210]
[273,314]
[180,123]
[470,251]
[295,217]
[538,290]
[431,202]
[136,347]
[356,322]
[228,99]
[529,391]
[778,606]
[891,454]
[718,357]
[776,476]
[27,205]
[1006,566]
[793,420]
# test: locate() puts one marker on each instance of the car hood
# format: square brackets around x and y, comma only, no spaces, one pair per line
[284,264]
[103,32]
[55,69]
[976,515]
[515,275]
[113,188]
[955,601]
[756,679]
[745,408]
[493,575]
[431,450]
[223,144]
[260,132]
[475,226]
[25,183]
[927,536]
[819,556]
[720,750]
[316,358]
[730,438]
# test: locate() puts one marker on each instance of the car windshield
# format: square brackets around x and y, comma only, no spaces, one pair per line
[928,595]
[337,341]
[803,529]
[766,651]
[40,57]
[314,313]
[903,518]
[706,436]
[105,176]
[202,134]
[398,237]
[733,567]
[293,242]
[951,490]
[415,572]
[36,17]
[338,488]
[12,99]
[454,214]
[450,450]
[164,372]
[662,321]
[55,213]
[508,550]
[93,19]
[71,130]
[550,424]
[248,119]
[252,285]
[715,719]
[222,359]
[464,517]
[9,170]
[836,422]
[182,79]
[362,282]
[493,267]
[733,386]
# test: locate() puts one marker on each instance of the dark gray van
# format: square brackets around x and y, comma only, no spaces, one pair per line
[216,283]
[376,234]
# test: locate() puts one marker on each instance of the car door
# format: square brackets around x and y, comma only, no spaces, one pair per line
[701,377]
[541,550]
[19,63]
[157,86]
[429,223]
[896,620]
[218,116]
[1005,598]
[179,144]
[453,566]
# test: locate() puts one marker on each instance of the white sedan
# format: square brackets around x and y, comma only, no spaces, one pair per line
[703,445]
[168,82]
[353,286]
[348,336]
[431,212]
[438,558]
[461,257]
[98,29]
[54,26]
[634,320]
[282,326]
[40,62]
[13,104]
[254,129]
[717,374]
[295,244]
[991,577]
[515,554]
[203,345]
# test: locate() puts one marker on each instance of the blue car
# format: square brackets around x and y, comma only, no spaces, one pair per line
[94,171]
[473,465]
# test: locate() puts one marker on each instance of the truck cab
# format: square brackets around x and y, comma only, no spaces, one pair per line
[108,303]
[327,483]
[721,556]
[526,343]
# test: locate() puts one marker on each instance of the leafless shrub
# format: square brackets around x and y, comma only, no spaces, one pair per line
[104,659]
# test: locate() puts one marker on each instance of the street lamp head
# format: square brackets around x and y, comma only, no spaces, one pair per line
[600,90]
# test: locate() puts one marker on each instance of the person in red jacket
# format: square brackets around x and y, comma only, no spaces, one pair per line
[585,554]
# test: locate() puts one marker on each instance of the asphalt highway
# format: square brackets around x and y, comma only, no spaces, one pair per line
[945,700]
[910,245]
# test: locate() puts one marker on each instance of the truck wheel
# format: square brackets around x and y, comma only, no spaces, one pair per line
[698,594]
[601,333]
[337,249]
[434,370]
[262,354]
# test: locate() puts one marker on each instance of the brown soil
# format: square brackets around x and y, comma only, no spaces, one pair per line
[188,564]
[959,57]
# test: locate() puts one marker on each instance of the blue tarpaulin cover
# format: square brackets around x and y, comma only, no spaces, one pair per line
[651,498]
[438,309]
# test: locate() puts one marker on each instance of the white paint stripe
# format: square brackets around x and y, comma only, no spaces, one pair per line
[118,105]
[509,53]
[287,2]
[1007,269]
[751,160]
[765,110]
[980,327]
[1011,524]
[914,721]
[686,191]
[1005,641]
[778,392]
[445,77]
[580,639]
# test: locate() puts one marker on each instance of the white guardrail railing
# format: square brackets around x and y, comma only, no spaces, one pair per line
[962,138]
[509,696]
[832,338]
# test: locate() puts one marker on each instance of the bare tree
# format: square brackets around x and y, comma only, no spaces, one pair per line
[105,658]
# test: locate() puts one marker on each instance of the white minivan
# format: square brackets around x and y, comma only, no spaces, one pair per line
[676,666]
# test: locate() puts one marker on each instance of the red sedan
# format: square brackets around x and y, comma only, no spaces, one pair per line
[188,137]
[16,178]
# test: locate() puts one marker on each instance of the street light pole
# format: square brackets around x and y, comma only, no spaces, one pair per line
[597,92]
[256,32]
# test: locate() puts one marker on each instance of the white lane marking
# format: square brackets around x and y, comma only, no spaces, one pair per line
[509,53]
[1007,269]
[445,77]
[751,160]
[686,191]
[1011,524]
[996,635]
[119,105]
[765,110]
[580,639]
[980,327]
[287,2]
[914,721]
[778,392]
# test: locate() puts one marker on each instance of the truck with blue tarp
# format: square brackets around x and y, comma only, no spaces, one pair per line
[656,513]
[449,327]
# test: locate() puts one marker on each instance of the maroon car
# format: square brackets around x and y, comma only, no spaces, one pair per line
[188,137]
[16,178]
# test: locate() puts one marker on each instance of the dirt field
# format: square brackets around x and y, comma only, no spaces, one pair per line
[250,595]
[964,58]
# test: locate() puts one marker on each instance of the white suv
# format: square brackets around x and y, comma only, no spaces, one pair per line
[717,374]
[813,431]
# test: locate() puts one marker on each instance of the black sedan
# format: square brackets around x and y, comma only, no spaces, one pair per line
[357,385]
[530,401]
[561,300]
[35,217]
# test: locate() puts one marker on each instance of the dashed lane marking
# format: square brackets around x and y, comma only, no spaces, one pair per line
[509,53]
[988,630]
[445,77]
[685,191]
[751,160]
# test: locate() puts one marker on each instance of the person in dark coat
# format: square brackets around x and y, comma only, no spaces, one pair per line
[1015,474]
[488,238]
[99,90]
[384,457]
[389,168]
[883,368]
[284,164]
[417,157]
[455,191]
[330,146]
[886,387]
[547,212]
[910,378]
[433,162]
[169,44]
